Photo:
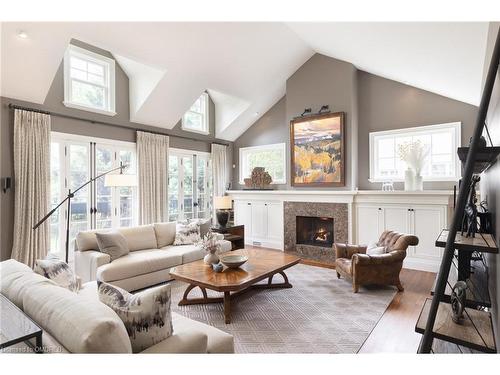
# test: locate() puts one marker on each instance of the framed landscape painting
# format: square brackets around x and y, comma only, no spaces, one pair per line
[317,150]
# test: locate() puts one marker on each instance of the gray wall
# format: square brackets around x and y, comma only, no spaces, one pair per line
[490,187]
[125,131]
[320,81]
[385,104]
[371,103]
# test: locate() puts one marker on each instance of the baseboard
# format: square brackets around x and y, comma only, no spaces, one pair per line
[267,244]
[421,265]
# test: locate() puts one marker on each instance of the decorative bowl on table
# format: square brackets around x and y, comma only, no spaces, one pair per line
[233,261]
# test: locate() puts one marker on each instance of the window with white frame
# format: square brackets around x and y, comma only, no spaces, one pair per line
[74,160]
[196,118]
[89,81]
[440,141]
[271,157]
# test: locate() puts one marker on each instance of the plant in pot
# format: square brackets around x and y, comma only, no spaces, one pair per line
[210,244]
[414,154]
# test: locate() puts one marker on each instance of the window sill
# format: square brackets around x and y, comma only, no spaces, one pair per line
[202,132]
[443,179]
[89,109]
[272,183]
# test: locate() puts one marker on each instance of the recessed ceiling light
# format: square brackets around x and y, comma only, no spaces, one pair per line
[22,34]
[257,113]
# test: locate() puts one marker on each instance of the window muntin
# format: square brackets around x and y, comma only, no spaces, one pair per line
[271,157]
[442,163]
[89,81]
[73,160]
[189,185]
[196,118]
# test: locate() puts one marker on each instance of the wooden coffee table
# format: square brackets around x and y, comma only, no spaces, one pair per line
[261,264]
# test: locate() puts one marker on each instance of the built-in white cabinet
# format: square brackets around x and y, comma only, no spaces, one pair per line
[263,221]
[424,221]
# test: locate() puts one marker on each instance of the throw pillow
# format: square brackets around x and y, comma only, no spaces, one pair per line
[376,250]
[187,234]
[113,243]
[59,272]
[146,315]
[165,233]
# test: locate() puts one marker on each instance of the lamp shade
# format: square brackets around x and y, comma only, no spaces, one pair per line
[117,180]
[223,203]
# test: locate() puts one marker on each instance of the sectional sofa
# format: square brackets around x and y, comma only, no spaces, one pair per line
[152,255]
[80,323]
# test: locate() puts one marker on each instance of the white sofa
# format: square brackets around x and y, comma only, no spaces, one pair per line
[152,255]
[80,323]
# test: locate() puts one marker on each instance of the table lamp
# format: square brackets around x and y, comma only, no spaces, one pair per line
[222,206]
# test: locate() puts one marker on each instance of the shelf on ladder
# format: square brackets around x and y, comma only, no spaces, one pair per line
[482,242]
[461,334]
[477,294]
[485,157]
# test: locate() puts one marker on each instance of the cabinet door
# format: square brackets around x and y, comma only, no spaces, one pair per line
[368,224]
[259,220]
[243,216]
[396,218]
[274,221]
[427,222]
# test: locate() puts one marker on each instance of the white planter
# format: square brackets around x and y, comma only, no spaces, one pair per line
[418,182]
[409,180]
[211,258]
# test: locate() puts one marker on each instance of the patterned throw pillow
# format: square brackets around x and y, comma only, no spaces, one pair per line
[58,271]
[187,234]
[146,315]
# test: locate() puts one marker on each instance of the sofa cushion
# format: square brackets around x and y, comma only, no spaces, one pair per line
[80,325]
[140,238]
[58,271]
[146,314]
[165,233]
[113,243]
[218,341]
[16,278]
[86,240]
[187,234]
[138,263]
[189,253]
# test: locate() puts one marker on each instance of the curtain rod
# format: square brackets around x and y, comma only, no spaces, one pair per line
[14,106]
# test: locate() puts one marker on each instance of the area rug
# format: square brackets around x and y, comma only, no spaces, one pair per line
[320,314]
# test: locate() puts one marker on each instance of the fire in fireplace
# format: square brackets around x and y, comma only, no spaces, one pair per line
[315,231]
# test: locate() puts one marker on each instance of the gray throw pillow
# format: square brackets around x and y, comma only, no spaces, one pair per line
[59,272]
[146,315]
[112,243]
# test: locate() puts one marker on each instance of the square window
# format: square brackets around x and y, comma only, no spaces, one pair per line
[89,81]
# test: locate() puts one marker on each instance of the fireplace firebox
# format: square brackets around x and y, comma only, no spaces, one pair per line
[315,231]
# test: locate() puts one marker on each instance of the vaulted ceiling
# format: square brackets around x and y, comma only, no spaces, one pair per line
[244,66]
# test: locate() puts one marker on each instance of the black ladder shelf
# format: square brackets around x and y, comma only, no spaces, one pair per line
[435,320]
[476,331]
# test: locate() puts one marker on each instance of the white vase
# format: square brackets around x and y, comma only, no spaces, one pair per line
[211,258]
[409,180]
[418,182]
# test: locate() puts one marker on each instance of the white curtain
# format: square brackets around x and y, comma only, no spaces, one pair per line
[152,157]
[31,185]
[219,164]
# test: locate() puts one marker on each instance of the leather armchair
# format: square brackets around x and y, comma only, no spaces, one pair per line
[353,263]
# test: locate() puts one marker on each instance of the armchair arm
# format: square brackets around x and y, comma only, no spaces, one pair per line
[87,263]
[343,250]
[378,259]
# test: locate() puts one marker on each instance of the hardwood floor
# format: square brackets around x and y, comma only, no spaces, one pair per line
[395,332]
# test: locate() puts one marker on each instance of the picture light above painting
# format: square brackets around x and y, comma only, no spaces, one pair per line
[317,150]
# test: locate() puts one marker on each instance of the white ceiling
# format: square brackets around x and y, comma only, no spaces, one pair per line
[244,66]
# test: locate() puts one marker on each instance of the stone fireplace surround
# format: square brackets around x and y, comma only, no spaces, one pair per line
[339,213]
